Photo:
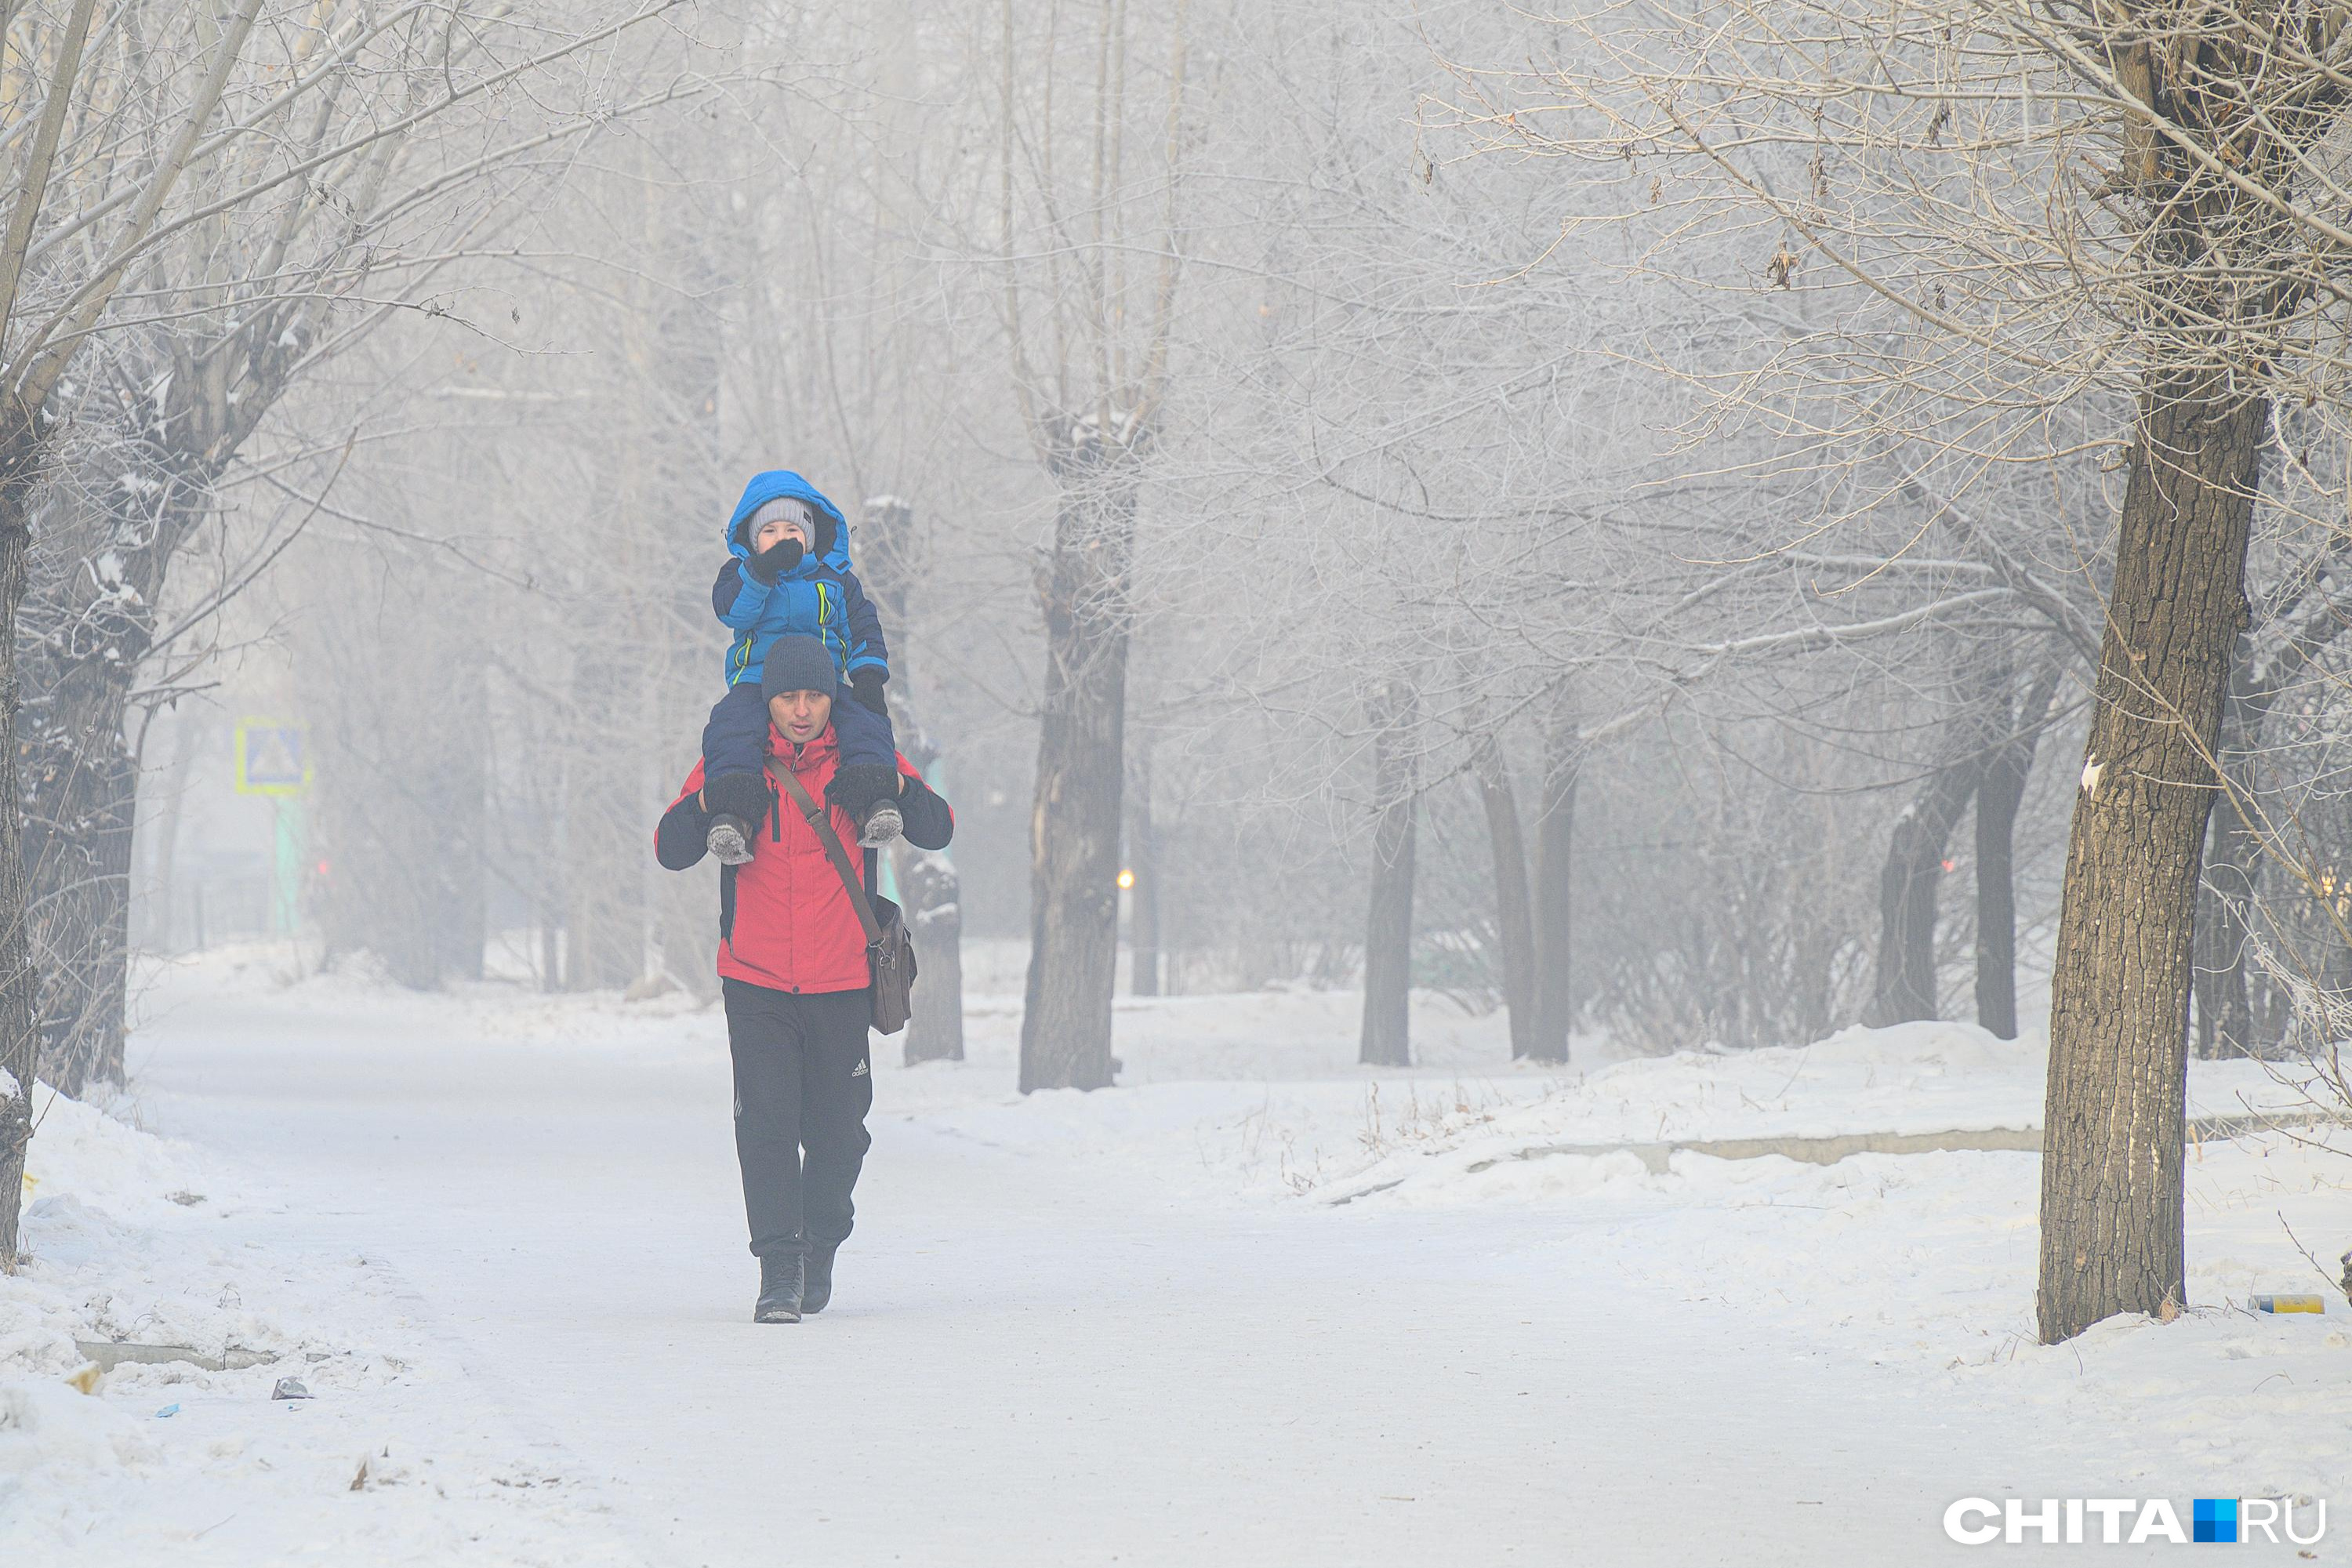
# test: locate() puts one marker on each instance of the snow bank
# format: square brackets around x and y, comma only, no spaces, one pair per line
[107,1162]
[55,1441]
[1907,1078]
[1924,1263]
[131,1238]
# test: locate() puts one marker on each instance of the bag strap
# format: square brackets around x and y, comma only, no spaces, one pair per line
[820,821]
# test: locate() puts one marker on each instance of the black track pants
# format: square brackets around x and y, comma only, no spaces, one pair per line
[802,1081]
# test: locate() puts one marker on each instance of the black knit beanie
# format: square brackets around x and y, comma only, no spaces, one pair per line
[797,664]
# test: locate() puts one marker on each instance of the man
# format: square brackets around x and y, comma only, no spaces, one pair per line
[792,966]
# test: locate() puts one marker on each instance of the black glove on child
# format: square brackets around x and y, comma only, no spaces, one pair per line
[867,687]
[775,561]
[743,795]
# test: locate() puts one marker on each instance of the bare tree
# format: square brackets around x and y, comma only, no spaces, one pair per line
[1554,894]
[290,124]
[1514,914]
[1089,350]
[1999,794]
[928,883]
[2122,203]
[1388,940]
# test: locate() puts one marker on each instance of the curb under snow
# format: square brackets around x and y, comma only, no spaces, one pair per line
[1658,1157]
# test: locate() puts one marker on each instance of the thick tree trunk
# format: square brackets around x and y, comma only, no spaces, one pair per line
[83,631]
[1388,934]
[1998,795]
[2111,1166]
[77,832]
[1514,917]
[19,1037]
[1555,1000]
[1904,983]
[1073,832]
[928,887]
[89,615]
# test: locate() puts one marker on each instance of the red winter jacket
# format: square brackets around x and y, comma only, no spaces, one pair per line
[786,921]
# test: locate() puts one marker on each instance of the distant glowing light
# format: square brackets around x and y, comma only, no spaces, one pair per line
[1126,880]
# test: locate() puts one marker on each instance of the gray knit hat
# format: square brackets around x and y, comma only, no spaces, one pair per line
[790,507]
[797,664]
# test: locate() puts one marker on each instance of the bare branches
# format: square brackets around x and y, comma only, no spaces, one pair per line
[2069,621]
[33,188]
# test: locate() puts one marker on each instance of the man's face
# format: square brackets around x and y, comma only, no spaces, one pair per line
[777,529]
[800,716]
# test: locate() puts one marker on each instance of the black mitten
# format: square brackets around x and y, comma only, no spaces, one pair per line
[775,561]
[867,687]
[743,795]
[857,785]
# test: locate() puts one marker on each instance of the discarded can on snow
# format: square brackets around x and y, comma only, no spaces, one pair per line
[2289,1303]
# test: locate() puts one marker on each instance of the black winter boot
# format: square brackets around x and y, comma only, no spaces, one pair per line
[817,1287]
[780,1288]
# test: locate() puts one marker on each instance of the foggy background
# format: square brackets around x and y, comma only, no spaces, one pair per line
[1429,517]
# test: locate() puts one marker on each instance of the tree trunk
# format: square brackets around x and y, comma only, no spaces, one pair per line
[83,632]
[603,911]
[402,735]
[1998,795]
[88,618]
[2111,1166]
[2234,858]
[1388,934]
[78,833]
[2225,1012]
[1513,916]
[162,924]
[927,881]
[20,1039]
[1143,898]
[928,884]
[1066,1022]
[1905,984]
[1555,1001]
[458,790]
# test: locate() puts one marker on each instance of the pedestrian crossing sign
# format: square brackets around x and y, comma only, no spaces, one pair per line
[272,758]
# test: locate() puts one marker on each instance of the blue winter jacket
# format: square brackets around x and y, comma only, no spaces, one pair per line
[820,597]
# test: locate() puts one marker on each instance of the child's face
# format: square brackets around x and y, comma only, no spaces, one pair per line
[776,530]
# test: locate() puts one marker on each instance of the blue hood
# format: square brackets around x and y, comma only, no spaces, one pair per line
[832,543]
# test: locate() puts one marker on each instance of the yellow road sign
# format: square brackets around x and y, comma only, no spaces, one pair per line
[273,757]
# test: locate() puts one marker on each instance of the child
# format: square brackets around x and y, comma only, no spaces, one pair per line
[789,572]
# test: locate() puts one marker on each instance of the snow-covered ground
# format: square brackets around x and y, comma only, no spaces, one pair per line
[1257,1305]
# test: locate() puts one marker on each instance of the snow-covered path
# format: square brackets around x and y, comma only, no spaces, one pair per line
[1038,1357]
